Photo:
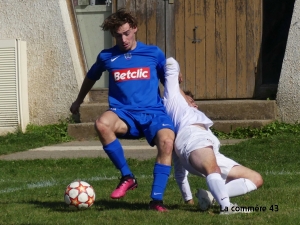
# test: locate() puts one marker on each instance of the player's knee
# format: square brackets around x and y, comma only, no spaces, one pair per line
[101,126]
[258,180]
[209,169]
[166,145]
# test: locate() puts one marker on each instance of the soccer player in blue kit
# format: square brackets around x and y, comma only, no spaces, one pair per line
[135,105]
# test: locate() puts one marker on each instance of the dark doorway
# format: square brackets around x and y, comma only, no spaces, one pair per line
[100,2]
[277,15]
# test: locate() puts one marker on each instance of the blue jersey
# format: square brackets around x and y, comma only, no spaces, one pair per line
[133,77]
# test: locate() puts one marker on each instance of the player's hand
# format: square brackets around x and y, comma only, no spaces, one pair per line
[75,107]
[191,102]
[190,202]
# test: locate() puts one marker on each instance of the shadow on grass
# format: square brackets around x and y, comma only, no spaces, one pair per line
[100,205]
[104,204]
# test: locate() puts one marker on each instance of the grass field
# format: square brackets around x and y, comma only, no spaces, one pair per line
[31,192]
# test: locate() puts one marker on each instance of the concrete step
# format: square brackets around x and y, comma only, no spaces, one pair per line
[99,95]
[230,125]
[89,112]
[82,131]
[239,109]
[227,115]
[86,131]
[215,110]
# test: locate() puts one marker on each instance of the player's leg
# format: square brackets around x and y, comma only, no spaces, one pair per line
[241,180]
[195,146]
[203,160]
[206,163]
[244,172]
[164,140]
[107,126]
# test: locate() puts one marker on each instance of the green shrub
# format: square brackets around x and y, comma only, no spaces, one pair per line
[271,129]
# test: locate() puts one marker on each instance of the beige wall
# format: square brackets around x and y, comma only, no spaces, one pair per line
[54,70]
[288,96]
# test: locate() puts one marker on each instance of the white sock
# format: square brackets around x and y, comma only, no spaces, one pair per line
[240,186]
[217,188]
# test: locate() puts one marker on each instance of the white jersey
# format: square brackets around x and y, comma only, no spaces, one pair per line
[182,115]
[177,108]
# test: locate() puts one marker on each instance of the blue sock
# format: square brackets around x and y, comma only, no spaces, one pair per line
[161,174]
[115,152]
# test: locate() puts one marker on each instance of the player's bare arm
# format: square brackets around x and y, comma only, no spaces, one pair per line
[85,88]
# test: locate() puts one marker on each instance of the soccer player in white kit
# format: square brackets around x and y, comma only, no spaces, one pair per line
[197,150]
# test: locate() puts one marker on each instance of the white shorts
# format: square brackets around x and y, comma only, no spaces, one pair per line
[191,138]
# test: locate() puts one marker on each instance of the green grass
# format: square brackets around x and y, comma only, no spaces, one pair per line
[31,191]
[34,137]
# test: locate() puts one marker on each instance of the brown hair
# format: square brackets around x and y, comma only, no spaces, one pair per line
[117,19]
[189,93]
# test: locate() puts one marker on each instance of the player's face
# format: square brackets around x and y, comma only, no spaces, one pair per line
[125,37]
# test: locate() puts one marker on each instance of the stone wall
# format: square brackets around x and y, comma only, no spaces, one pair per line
[54,70]
[288,95]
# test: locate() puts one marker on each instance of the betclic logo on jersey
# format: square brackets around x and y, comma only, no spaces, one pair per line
[131,74]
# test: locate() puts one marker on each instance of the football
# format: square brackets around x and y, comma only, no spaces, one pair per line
[80,194]
[205,199]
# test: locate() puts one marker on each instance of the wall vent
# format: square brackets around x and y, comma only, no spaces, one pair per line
[14,110]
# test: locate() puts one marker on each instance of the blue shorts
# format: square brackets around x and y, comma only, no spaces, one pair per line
[144,124]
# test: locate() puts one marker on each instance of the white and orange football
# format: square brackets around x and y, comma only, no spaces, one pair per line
[80,194]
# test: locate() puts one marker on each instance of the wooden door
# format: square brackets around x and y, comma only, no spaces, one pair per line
[217,42]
